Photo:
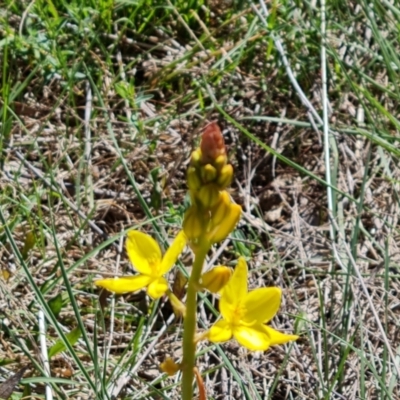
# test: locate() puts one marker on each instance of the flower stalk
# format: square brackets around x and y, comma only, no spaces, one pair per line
[190,321]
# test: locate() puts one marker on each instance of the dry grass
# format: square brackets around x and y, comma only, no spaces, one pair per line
[99,115]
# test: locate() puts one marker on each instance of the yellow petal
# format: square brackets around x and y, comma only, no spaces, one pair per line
[215,279]
[252,337]
[277,337]
[262,304]
[143,251]
[220,332]
[173,253]
[157,288]
[235,291]
[124,284]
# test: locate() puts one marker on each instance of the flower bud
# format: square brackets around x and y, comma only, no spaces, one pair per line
[215,279]
[179,283]
[178,307]
[196,157]
[194,225]
[208,195]
[221,209]
[212,144]
[225,176]
[208,173]
[193,180]
[227,225]
[220,162]
[169,366]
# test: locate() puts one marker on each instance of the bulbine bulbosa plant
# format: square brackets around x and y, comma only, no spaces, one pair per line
[211,217]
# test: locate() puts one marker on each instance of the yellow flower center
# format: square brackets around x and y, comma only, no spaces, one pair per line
[154,264]
[237,313]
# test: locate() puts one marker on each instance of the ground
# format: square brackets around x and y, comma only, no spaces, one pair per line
[102,104]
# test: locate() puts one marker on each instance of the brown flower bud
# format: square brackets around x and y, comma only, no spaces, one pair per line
[212,144]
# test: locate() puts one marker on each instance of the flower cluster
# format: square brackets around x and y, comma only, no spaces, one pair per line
[211,217]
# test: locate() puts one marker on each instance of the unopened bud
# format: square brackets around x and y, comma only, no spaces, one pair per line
[179,283]
[169,366]
[195,158]
[193,223]
[212,143]
[208,173]
[225,176]
[221,209]
[178,307]
[208,195]
[220,162]
[193,180]
[227,225]
[215,279]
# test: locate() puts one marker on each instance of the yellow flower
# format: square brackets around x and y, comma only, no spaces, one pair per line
[245,314]
[145,255]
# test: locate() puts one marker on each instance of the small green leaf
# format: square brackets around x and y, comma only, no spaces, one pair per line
[30,241]
[60,346]
[27,392]
[6,361]
[123,90]
[55,304]
[53,9]
[240,246]
[50,282]
[79,75]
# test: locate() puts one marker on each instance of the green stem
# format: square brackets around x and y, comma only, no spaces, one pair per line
[190,322]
